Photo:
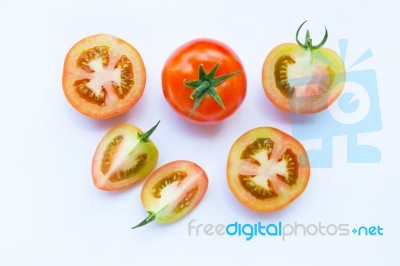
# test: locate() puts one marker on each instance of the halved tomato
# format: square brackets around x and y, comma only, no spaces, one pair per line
[124,156]
[303,78]
[103,76]
[267,169]
[172,191]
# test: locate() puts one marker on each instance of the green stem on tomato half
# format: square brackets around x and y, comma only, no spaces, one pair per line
[307,45]
[206,85]
[308,41]
[146,135]
[151,217]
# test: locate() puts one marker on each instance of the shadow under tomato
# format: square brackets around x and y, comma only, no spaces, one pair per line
[116,193]
[105,124]
[282,116]
[303,119]
[197,130]
[247,214]
[270,110]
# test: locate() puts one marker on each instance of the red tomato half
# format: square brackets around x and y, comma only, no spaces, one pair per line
[103,76]
[204,81]
[267,169]
[172,191]
[303,78]
[124,156]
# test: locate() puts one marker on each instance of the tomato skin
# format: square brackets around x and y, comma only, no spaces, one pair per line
[237,165]
[196,180]
[183,65]
[72,73]
[324,65]
[127,148]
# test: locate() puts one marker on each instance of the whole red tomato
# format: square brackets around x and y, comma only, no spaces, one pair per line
[204,81]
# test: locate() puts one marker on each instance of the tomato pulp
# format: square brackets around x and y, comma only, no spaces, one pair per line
[103,76]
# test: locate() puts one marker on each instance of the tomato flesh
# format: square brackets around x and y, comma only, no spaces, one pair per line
[267,169]
[122,159]
[104,76]
[174,190]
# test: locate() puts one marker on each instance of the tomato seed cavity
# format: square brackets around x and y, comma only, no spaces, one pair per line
[109,153]
[184,203]
[292,167]
[121,87]
[97,52]
[138,164]
[127,81]
[257,190]
[88,94]
[280,73]
[257,146]
[177,176]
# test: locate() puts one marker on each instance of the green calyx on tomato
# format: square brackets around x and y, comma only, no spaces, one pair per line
[204,81]
[144,137]
[124,156]
[284,62]
[308,42]
[205,85]
[152,216]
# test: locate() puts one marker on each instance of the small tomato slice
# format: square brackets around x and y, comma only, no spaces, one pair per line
[172,191]
[124,156]
[204,81]
[103,76]
[267,169]
[302,78]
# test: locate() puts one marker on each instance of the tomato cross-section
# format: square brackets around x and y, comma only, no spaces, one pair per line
[124,156]
[303,78]
[267,169]
[103,76]
[172,191]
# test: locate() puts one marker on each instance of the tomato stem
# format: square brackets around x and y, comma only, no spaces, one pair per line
[308,41]
[150,218]
[146,135]
[200,89]
[206,85]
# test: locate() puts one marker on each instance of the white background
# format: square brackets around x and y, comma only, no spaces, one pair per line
[50,212]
